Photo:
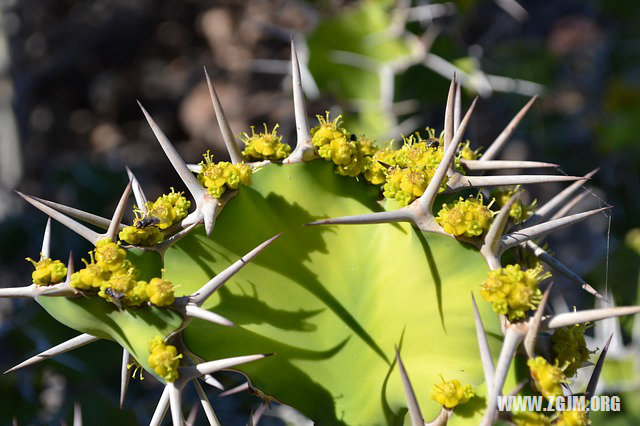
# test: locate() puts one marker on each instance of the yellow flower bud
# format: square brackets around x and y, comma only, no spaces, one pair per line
[264,146]
[160,292]
[48,271]
[451,393]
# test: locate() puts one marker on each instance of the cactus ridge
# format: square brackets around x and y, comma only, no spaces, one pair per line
[170,321]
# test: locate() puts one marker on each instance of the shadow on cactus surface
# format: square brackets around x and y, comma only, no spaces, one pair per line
[349,308]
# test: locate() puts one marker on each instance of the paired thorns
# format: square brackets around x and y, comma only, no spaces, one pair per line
[67,346]
[304,150]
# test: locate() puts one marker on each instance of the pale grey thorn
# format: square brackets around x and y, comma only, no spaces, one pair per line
[206,405]
[192,311]
[589,315]
[194,371]
[230,142]
[534,324]
[257,415]
[419,212]
[304,150]
[473,165]
[112,231]
[504,136]
[46,241]
[77,414]
[560,267]
[449,113]
[195,168]
[442,419]
[76,227]
[124,375]
[161,408]
[564,210]
[64,347]
[517,237]
[490,248]
[512,338]
[240,388]
[459,181]
[207,206]
[138,193]
[193,415]
[457,108]
[595,375]
[91,219]
[200,296]
[483,345]
[544,212]
[175,403]
[412,401]
[211,381]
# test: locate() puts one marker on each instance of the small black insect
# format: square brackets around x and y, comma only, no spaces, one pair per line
[433,143]
[353,137]
[115,296]
[147,221]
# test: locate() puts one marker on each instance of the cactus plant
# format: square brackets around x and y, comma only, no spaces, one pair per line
[290,270]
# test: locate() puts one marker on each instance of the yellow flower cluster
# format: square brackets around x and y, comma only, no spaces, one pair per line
[513,291]
[375,169]
[48,271]
[218,177]
[451,393]
[547,378]
[264,146]
[465,152]
[465,217]
[116,279]
[519,211]
[570,347]
[167,210]
[164,359]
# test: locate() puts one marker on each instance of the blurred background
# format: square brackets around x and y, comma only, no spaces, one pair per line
[71,72]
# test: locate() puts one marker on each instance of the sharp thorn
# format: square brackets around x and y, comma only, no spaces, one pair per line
[91,219]
[240,388]
[474,165]
[401,215]
[67,346]
[564,210]
[197,312]
[138,193]
[124,375]
[304,149]
[534,324]
[449,113]
[595,375]
[544,212]
[195,168]
[76,227]
[161,408]
[466,181]
[206,405]
[77,414]
[229,140]
[211,381]
[112,232]
[412,401]
[517,237]
[25,292]
[425,202]
[492,239]
[590,315]
[457,108]
[216,282]
[176,405]
[195,189]
[257,415]
[46,240]
[558,266]
[504,136]
[209,210]
[483,345]
[223,364]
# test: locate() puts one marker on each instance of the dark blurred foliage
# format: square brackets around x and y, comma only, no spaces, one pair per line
[77,68]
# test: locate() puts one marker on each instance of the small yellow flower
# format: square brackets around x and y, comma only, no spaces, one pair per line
[451,393]
[465,217]
[513,291]
[327,131]
[92,276]
[164,359]
[218,177]
[547,378]
[519,211]
[48,271]
[570,347]
[530,418]
[144,237]
[160,292]
[264,146]
[109,255]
